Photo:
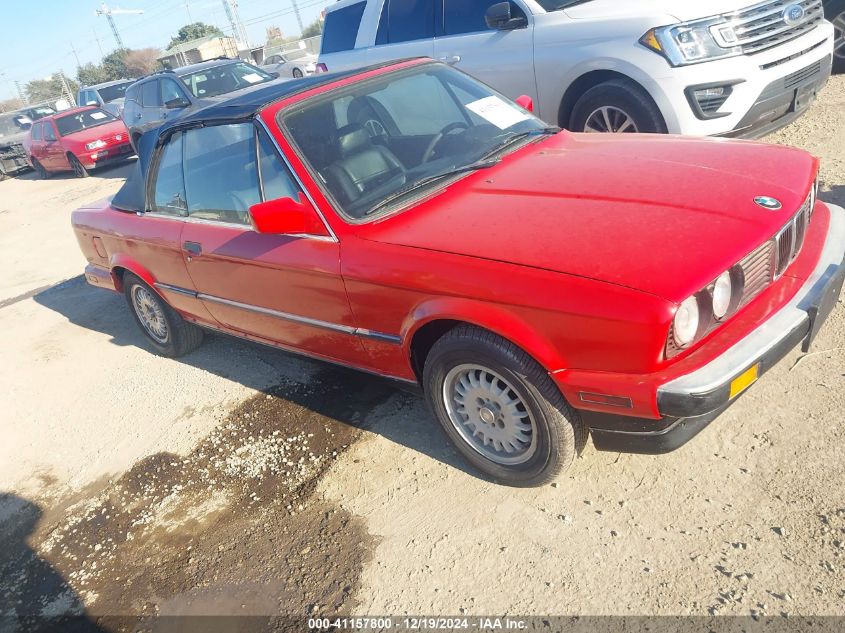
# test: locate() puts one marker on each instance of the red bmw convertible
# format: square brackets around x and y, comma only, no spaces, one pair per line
[540,286]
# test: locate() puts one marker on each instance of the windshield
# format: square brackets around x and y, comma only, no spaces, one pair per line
[402,132]
[557,5]
[82,121]
[219,80]
[111,93]
[9,126]
[39,112]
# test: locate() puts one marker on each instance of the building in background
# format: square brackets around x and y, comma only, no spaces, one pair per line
[199,50]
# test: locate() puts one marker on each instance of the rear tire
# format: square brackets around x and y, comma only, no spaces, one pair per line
[297,74]
[39,169]
[617,106]
[500,408]
[78,168]
[168,332]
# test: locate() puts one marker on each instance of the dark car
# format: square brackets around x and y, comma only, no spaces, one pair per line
[834,10]
[170,93]
[14,127]
[108,95]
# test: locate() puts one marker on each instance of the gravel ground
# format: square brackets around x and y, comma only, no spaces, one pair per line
[244,480]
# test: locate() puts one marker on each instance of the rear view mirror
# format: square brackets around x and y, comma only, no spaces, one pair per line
[526,103]
[286,216]
[499,17]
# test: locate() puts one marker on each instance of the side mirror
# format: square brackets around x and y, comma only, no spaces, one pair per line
[526,103]
[286,216]
[499,17]
[274,75]
[179,102]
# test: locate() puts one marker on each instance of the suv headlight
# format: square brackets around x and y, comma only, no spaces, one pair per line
[693,42]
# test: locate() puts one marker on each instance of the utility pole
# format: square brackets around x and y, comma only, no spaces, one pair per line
[66,89]
[188,9]
[298,16]
[238,30]
[73,48]
[109,13]
[21,94]
[100,46]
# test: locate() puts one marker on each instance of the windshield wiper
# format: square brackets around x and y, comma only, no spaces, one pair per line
[515,138]
[481,164]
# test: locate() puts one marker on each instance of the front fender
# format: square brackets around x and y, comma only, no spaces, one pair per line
[494,318]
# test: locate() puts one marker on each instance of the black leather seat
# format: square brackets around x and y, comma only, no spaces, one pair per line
[363,166]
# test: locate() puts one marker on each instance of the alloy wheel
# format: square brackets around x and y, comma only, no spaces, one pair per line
[78,169]
[610,119]
[150,314]
[489,414]
[839,36]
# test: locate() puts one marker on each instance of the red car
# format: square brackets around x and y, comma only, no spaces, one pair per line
[76,140]
[409,221]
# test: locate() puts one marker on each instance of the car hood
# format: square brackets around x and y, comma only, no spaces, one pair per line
[664,215]
[683,10]
[9,139]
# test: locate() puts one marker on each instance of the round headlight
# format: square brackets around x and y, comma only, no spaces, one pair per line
[722,295]
[686,322]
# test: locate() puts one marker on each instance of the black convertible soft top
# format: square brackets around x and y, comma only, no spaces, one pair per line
[242,106]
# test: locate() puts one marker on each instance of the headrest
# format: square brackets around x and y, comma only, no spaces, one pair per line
[352,138]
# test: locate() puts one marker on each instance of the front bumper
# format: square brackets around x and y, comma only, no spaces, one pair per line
[689,403]
[106,155]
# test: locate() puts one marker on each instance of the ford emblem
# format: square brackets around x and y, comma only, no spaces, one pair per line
[794,14]
[772,204]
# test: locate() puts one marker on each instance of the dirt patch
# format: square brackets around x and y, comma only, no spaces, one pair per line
[232,528]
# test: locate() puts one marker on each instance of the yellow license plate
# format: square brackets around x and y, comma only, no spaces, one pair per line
[744,381]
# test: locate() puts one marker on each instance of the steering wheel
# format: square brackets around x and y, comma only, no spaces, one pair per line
[429,151]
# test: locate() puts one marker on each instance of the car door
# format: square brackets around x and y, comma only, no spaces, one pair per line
[504,59]
[54,158]
[35,143]
[281,288]
[405,29]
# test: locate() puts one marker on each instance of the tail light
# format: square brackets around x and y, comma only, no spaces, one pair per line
[321,68]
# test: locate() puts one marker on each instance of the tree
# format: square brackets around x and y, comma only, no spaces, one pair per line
[90,74]
[141,62]
[113,65]
[50,89]
[7,105]
[313,29]
[193,32]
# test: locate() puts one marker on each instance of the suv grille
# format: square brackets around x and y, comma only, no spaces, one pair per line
[763,26]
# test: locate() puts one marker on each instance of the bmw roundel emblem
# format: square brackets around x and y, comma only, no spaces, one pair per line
[794,14]
[772,204]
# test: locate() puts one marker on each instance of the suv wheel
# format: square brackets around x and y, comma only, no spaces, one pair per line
[500,408]
[835,12]
[619,107]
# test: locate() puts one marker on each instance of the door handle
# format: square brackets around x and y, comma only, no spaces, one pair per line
[140,115]
[450,59]
[194,249]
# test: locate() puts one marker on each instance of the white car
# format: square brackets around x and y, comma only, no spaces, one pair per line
[721,67]
[294,64]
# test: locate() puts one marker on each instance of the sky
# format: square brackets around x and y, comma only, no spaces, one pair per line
[39,35]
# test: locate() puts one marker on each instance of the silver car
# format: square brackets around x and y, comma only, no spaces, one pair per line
[294,64]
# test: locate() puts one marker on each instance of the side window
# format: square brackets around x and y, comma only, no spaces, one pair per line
[170,91]
[467,16]
[49,133]
[276,181]
[341,28]
[36,131]
[409,20]
[132,94]
[169,196]
[150,97]
[221,174]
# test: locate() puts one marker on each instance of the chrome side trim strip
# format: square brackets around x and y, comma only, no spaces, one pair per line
[778,327]
[176,289]
[287,316]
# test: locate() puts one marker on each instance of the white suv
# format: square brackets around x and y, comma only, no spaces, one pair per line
[720,67]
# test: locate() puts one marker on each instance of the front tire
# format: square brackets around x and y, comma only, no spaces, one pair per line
[79,169]
[618,106]
[500,408]
[297,74]
[168,332]
[43,174]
